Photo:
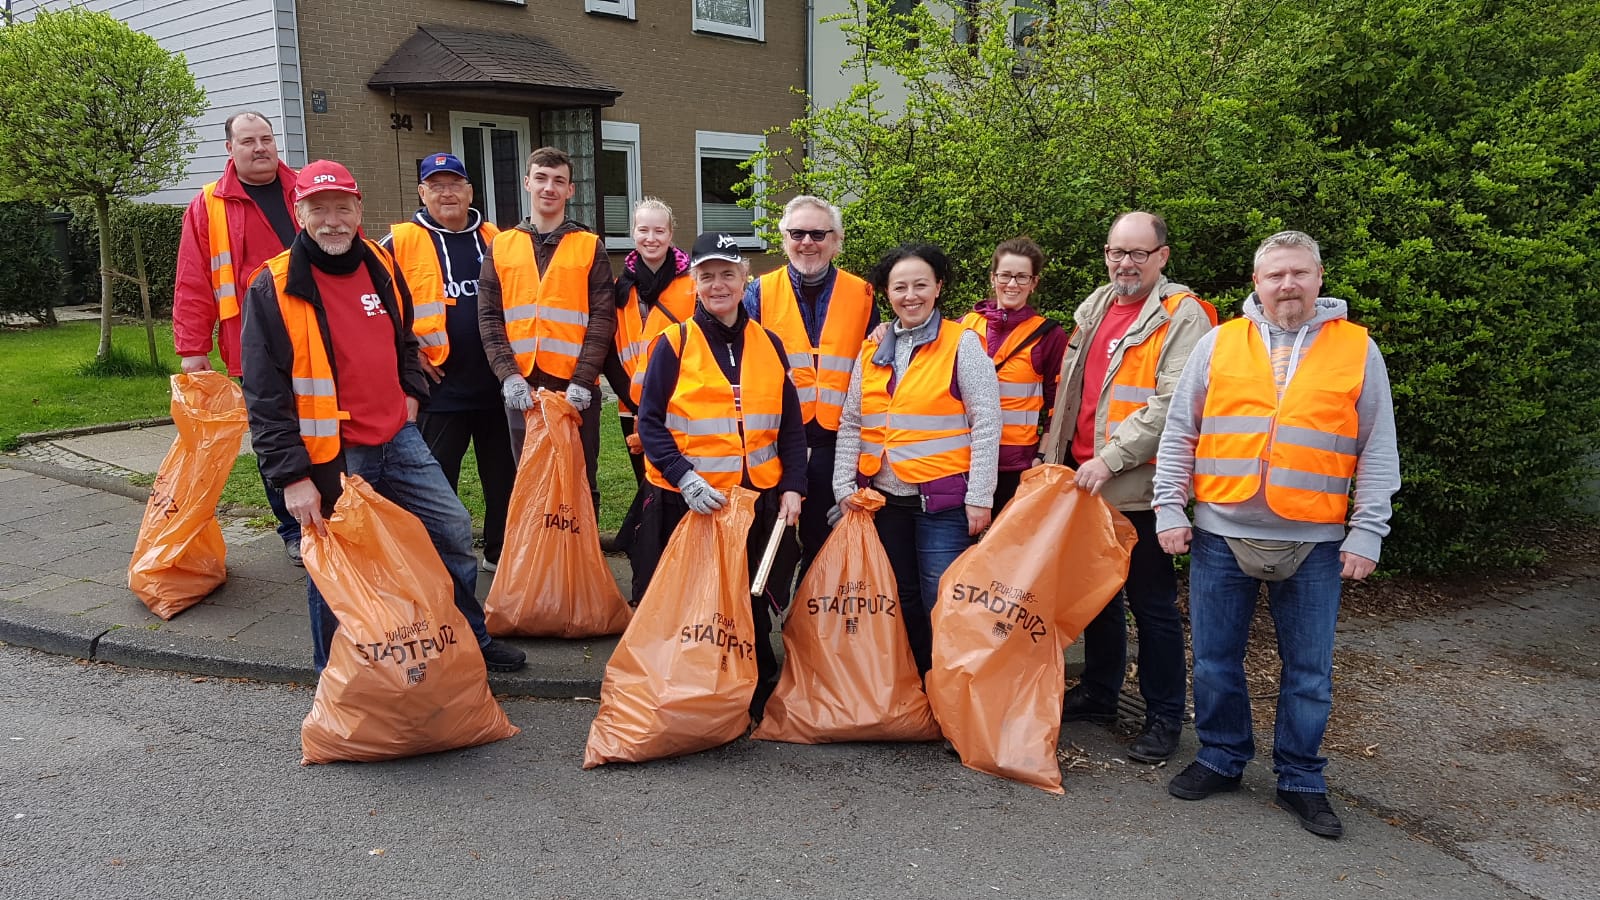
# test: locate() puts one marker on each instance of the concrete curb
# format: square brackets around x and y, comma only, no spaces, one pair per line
[51,632]
[34,437]
[108,483]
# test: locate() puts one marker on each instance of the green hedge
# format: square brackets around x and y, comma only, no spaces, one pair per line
[30,276]
[160,227]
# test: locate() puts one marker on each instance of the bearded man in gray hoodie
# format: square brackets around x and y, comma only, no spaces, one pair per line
[1277,414]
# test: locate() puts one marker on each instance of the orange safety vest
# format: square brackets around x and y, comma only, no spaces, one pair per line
[1308,437]
[921,426]
[1021,385]
[821,373]
[722,433]
[223,287]
[546,317]
[315,399]
[417,255]
[636,336]
[1134,382]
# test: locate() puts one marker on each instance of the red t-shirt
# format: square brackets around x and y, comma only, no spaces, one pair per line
[366,372]
[1114,326]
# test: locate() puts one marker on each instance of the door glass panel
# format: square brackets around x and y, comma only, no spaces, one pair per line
[507,183]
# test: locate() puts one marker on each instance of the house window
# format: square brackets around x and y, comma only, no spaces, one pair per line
[620,189]
[572,130]
[620,8]
[495,150]
[719,172]
[739,18]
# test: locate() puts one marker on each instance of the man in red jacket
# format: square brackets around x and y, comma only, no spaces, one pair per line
[231,227]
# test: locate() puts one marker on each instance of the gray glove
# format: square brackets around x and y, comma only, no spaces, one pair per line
[700,495]
[516,393]
[578,396]
[835,513]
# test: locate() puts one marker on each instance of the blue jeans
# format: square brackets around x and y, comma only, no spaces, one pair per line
[920,547]
[1152,593]
[1305,609]
[404,472]
[288,526]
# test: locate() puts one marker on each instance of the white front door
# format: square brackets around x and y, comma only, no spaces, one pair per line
[495,149]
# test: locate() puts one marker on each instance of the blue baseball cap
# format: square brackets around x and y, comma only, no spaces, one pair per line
[443,162]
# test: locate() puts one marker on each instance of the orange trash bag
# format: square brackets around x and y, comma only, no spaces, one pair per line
[405,675]
[682,677]
[1008,607]
[180,556]
[848,672]
[553,580]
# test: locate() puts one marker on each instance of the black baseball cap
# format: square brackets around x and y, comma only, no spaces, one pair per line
[715,245]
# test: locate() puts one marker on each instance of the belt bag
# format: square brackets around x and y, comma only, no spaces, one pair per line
[1269,560]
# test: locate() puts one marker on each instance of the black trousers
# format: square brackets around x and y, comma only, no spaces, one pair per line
[588,433]
[448,434]
[801,544]
[660,512]
[1005,487]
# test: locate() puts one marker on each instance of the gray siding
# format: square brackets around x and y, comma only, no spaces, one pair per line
[243,52]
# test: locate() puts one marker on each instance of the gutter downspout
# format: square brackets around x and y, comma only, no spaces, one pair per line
[811,64]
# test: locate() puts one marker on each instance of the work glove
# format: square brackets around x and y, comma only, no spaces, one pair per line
[835,513]
[700,495]
[578,396]
[516,393]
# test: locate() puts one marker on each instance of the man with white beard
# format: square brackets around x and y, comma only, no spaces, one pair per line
[333,381]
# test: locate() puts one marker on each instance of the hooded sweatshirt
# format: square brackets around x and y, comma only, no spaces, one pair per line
[1377,474]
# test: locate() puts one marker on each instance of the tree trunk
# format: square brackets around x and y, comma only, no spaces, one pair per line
[144,297]
[102,221]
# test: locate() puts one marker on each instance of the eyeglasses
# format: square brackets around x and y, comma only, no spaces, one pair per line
[817,235]
[1010,278]
[446,187]
[1139,257]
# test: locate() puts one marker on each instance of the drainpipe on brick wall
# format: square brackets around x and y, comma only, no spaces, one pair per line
[811,63]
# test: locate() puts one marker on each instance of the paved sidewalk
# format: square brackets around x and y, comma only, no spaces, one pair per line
[68,534]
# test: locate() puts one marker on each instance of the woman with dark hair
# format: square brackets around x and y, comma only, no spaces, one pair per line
[1026,348]
[921,425]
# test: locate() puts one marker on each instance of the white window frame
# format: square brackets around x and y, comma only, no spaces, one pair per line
[622,136]
[520,124]
[728,145]
[622,9]
[756,31]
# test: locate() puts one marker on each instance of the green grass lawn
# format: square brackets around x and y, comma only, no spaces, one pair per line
[41,389]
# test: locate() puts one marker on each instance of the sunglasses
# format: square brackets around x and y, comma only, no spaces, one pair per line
[816,234]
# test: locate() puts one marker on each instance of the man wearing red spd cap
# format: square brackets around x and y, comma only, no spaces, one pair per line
[333,382]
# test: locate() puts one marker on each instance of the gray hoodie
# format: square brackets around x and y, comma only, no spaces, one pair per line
[1377,474]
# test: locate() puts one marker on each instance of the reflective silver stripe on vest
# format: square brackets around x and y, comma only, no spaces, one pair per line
[907,422]
[1025,391]
[920,449]
[1128,393]
[762,455]
[225,291]
[701,427]
[433,339]
[633,349]
[763,422]
[1316,440]
[220,260]
[1019,417]
[716,463]
[519,313]
[1309,481]
[423,310]
[319,427]
[836,363]
[807,394]
[870,449]
[313,387]
[1235,424]
[524,345]
[874,420]
[799,360]
[561,315]
[1227,468]
[832,398]
[565,348]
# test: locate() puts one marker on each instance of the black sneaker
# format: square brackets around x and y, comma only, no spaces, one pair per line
[1313,811]
[1198,782]
[500,656]
[291,549]
[1157,742]
[1078,706]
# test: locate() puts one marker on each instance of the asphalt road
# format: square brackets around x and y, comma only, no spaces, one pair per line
[122,783]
